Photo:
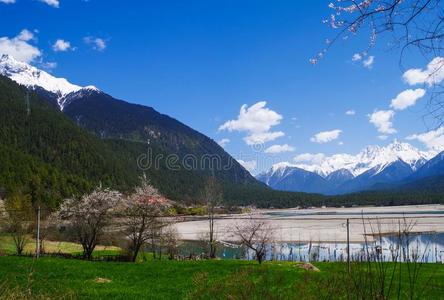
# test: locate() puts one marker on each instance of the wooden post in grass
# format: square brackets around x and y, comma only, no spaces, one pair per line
[348,245]
[37,242]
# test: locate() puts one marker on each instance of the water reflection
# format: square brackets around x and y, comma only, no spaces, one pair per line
[414,247]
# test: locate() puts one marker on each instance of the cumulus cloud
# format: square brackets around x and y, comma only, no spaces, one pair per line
[382,119]
[53,3]
[432,74]
[368,63]
[356,57]
[98,44]
[316,158]
[279,149]
[257,120]
[326,136]
[433,139]
[61,46]
[25,35]
[223,142]
[350,112]
[407,98]
[19,47]
[250,166]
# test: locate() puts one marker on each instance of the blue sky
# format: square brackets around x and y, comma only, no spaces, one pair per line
[200,61]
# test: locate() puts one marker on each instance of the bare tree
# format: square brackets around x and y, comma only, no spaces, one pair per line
[416,25]
[212,196]
[89,215]
[255,234]
[142,214]
[19,219]
[48,226]
[170,241]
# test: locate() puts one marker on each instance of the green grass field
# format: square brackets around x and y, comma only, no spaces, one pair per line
[55,278]
[7,246]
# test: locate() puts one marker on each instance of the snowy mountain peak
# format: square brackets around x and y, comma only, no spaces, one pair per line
[369,158]
[32,77]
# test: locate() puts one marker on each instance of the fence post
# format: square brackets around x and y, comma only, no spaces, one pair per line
[37,242]
[348,245]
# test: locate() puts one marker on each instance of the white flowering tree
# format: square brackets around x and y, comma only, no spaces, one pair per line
[141,215]
[88,216]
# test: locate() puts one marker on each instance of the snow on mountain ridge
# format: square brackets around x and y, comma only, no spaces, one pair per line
[368,158]
[32,77]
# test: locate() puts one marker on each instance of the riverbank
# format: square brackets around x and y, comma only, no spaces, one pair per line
[325,225]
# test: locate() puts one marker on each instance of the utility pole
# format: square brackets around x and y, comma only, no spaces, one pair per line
[348,245]
[37,242]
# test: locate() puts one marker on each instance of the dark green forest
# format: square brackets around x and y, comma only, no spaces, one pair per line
[45,154]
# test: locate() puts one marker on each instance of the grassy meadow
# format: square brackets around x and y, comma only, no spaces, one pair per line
[59,278]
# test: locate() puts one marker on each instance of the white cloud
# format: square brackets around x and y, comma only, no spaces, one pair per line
[250,166]
[262,137]
[432,74]
[61,46]
[382,119]
[310,158]
[279,149]
[433,139]
[19,47]
[25,35]
[256,118]
[53,3]
[223,142]
[407,98]
[98,44]
[350,112]
[326,136]
[48,65]
[356,57]
[257,121]
[368,63]
[383,137]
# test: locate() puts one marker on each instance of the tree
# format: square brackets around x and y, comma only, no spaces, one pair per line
[141,215]
[412,25]
[255,234]
[19,219]
[89,215]
[170,241]
[212,196]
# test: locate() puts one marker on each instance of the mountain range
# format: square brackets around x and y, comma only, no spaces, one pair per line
[373,168]
[127,131]
[59,140]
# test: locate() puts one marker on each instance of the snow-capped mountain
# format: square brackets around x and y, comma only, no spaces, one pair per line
[61,89]
[347,173]
[369,158]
